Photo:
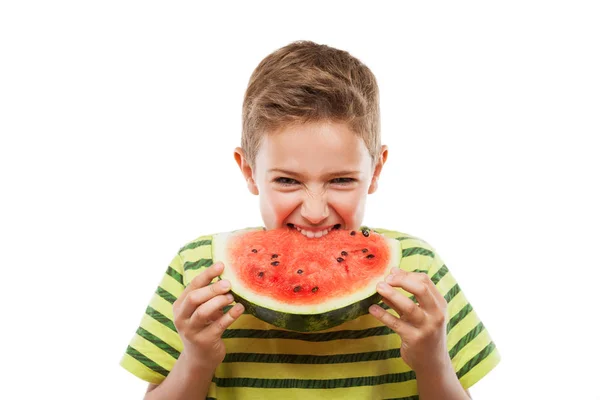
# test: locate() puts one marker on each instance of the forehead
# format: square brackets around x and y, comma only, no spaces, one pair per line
[313,148]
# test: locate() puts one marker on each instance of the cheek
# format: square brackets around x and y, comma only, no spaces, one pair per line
[276,206]
[348,205]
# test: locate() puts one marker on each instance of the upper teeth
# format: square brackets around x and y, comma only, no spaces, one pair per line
[311,234]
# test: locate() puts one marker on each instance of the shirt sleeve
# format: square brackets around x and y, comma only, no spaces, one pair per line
[471,349]
[156,345]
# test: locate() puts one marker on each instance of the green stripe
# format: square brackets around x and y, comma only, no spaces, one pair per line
[193,245]
[166,295]
[175,275]
[476,359]
[146,361]
[307,337]
[417,250]
[468,337]
[310,359]
[439,274]
[314,383]
[417,271]
[173,352]
[401,238]
[459,316]
[203,262]
[161,318]
[452,293]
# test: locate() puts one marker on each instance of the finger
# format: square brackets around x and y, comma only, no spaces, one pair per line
[402,328]
[418,284]
[404,306]
[206,311]
[204,278]
[227,319]
[214,316]
[200,296]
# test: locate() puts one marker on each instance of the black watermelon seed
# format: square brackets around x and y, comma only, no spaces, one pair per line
[275,256]
[352,233]
[290,225]
[254,251]
[261,274]
[297,289]
[365,233]
[314,290]
[339,259]
[275,263]
[300,271]
[337,226]
[344,253]
[370,256]
[364,250]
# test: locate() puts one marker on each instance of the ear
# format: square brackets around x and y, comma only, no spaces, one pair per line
[378,167]
[242,162]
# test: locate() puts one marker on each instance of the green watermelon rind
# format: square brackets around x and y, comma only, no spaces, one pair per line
[309,322]
[311,318]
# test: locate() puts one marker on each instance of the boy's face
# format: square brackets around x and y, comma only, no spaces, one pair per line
[314,176]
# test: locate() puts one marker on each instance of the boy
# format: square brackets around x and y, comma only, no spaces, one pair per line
[311,150]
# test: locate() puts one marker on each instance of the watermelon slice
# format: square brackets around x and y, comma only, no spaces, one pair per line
[305,284]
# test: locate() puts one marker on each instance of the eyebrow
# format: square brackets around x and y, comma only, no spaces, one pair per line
[331,174]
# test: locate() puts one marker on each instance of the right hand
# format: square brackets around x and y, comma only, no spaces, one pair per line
[200,321]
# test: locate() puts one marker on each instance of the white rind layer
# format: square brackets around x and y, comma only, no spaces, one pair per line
[219,246]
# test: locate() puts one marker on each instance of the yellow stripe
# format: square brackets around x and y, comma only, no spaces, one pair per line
[311,371]
[162,306]
[469,351]
[161,331]
[154,353]
[462,328]
[192,255]
[171,285]
[286,346]
[140,370]
[393,390]
[481,369]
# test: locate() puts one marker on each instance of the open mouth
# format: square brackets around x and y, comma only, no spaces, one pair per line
[310,233]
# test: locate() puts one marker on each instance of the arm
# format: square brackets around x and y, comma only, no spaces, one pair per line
[441,384]
[200,322]
[185,381]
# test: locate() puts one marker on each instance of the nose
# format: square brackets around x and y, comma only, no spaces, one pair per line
[314,208]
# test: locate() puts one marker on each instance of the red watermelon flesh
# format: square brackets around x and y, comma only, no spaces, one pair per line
[287,266]
[305,284]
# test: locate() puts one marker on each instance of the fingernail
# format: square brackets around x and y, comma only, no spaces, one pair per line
[394,270]
[382,286]
[230,297]
[389,278]
[374,309]
[225,284]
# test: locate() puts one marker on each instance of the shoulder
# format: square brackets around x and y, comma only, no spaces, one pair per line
[200,249]
[407,240]
[416,253]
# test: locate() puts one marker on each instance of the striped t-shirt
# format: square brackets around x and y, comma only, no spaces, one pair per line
[359,359]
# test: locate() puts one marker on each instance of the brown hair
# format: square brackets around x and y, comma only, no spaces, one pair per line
[309,82]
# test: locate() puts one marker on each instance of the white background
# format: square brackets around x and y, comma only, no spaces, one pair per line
[118,121]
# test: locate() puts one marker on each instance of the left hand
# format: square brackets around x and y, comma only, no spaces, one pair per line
[422,327]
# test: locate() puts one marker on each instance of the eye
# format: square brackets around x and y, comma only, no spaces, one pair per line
[343,181]
[286,181]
